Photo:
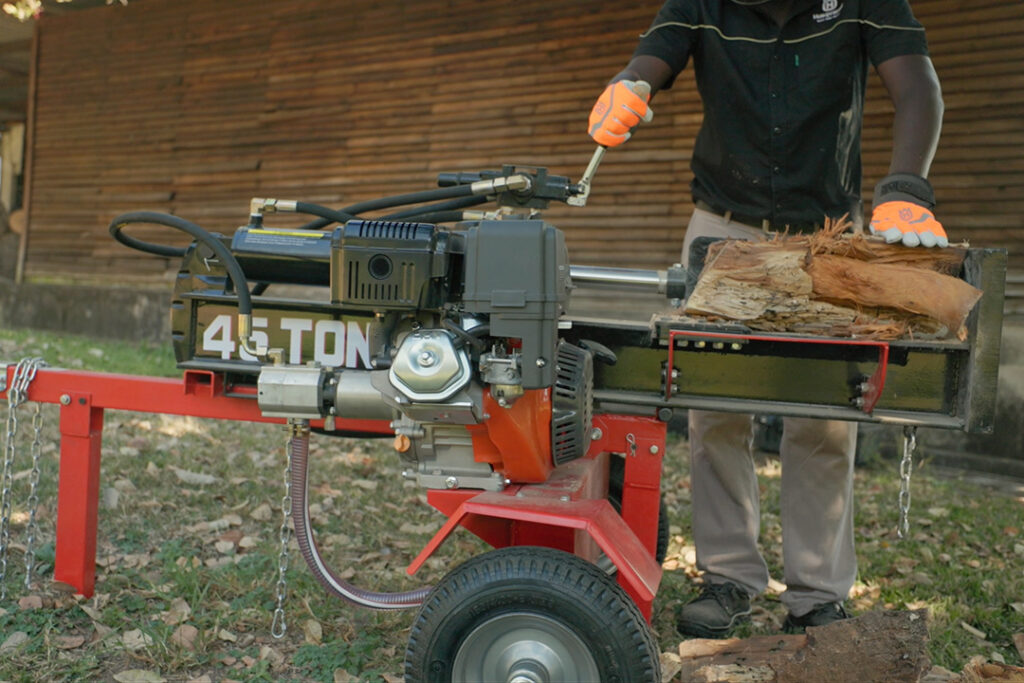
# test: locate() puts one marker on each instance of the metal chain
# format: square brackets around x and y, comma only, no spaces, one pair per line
[32,528]
[906,466]
[279,627]
[7,480]
[24,373]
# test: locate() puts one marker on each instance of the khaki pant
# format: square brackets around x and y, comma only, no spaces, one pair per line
[820,563]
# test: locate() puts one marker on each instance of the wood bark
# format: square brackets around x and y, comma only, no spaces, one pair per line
[861,283]
[836,285]
[878,646]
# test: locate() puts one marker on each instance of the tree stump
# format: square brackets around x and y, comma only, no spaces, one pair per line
[878,646]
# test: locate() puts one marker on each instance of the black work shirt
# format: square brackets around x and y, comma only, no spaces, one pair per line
[782,105]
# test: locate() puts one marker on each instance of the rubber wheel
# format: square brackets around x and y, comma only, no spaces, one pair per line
[530,615]
[616,481]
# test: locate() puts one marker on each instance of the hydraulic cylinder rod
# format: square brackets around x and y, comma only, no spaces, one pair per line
[669,282]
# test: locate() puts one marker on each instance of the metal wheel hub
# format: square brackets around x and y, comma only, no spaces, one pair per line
[523,647]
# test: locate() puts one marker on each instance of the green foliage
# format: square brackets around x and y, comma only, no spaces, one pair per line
[357,657]
[86,353]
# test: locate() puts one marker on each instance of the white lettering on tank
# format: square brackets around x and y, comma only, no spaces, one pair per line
[296,326]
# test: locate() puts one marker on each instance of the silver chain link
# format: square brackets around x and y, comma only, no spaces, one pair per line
[32,528]
[279,626]
[7,480]
[906,467]
[23,375]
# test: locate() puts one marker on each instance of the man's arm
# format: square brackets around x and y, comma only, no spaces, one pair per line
[903,200]
[654,70]
[916,95]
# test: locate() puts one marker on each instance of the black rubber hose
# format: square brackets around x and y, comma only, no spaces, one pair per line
[299,482]
[471,337]
[325,213]
[397,200]
[202,236]
[450,205]
[435,217]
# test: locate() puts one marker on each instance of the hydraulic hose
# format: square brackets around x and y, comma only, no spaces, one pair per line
[299,467]
[325,213]
[397,200]
[436,217]
[218,248]
[431,209]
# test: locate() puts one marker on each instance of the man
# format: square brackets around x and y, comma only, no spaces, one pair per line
[782,83]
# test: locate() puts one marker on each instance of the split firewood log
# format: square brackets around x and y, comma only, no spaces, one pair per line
[835,284]
[904,288]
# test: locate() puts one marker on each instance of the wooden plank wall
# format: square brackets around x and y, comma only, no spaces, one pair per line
[193,107]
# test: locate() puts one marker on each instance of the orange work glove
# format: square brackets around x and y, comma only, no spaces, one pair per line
[618,110]
[908,223]
[902,212]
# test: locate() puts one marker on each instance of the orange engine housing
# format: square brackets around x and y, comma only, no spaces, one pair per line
[516,440]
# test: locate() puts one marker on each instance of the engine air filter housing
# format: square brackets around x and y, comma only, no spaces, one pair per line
[381,265]
[517,273]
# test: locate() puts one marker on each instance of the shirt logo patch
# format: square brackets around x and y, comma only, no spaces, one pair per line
[830,9]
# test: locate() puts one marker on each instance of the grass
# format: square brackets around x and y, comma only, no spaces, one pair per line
[186,572]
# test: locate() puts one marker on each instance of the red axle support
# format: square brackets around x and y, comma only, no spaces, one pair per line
[570,511]
[83,397]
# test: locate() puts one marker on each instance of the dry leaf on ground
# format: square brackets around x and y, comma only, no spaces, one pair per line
[30,602]
[14,641]
[68,642]
[197,478]
[139,676]
[135,640]
[185,636]
[973,631]
[178,612]
[313,631]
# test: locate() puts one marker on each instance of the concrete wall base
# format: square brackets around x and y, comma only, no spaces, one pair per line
[106,312]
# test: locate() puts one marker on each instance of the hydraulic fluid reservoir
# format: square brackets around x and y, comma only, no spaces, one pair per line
[284,255]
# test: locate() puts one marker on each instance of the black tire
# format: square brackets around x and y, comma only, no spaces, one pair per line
[543,613]
[616,482]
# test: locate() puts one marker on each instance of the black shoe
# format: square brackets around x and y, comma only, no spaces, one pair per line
[822,614]
[714,613]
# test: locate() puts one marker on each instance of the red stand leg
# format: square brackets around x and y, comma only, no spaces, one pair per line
[81,431]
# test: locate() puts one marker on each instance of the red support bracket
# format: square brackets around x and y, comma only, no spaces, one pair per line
[205,383]
[81,433]
[642,441]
